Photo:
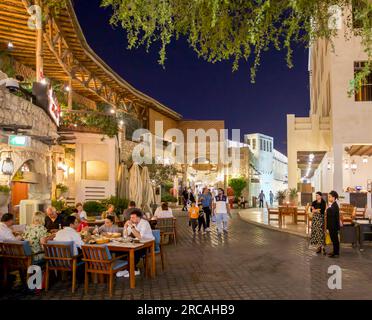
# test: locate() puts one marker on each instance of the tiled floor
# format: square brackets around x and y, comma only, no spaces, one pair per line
[249,263]
[260,216]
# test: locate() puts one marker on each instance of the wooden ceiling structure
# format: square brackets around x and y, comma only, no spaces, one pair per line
[67,57]
[303,161]
[359,150]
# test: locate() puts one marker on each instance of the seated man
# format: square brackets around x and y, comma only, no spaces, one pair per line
[163,211]
[137,227]
[127,212]
[6,233]
[53,221]
[69,233]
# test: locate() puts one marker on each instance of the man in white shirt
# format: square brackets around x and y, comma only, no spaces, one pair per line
[163,211]
[6,233]
[69,233]
[139,228]
[221,209]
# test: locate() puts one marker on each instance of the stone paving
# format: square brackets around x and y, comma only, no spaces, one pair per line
[249,263]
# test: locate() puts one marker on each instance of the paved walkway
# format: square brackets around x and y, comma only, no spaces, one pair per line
[249,263]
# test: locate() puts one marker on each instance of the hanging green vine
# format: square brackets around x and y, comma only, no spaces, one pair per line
[235,30]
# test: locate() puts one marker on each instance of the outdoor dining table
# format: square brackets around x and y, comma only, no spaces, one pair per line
[130,248]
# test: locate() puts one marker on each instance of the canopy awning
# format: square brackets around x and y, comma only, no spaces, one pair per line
[66,54]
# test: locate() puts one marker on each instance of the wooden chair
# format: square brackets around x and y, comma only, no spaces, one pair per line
[16,255]
[158,249]
[59,256]
[347,213]
[273,212]
[303,213]
[167,227]
[98,260]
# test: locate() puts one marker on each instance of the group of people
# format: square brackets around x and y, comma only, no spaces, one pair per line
[261,197]
[325,219]
[208,207]
[61,227]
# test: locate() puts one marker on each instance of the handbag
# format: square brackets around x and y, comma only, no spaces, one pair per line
[328,240]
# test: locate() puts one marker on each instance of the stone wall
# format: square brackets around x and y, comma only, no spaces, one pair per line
[15,110]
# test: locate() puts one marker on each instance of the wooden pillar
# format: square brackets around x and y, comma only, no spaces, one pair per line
[39,49]
[69,102]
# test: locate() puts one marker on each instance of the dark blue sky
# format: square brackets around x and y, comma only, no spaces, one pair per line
[200,90]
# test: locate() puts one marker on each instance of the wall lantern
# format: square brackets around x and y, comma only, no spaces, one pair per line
[7,167]
[365,159]
[61,165]
[346,166]
[329,166]
[353,167]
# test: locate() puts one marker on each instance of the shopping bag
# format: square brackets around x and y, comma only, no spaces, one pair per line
[328,238]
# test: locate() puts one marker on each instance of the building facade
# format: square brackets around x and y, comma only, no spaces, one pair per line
[331,147]
[269,166]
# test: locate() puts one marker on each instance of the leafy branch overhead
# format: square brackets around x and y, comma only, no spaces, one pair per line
[235,30]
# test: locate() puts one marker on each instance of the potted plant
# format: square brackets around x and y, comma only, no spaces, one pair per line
[238,185]
[280,196]
[4,195]
[169,198]
[93,208]
[61,190]
[292,195]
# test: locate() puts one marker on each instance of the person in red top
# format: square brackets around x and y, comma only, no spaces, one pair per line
[83,224]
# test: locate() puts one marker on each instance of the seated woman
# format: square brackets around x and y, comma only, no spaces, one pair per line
[109,226]
[37,234]
[110,212]
[163,212]
[83,224]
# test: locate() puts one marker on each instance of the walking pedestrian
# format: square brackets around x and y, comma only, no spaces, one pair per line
[206,201]
[318,208]
[261,197]
[221,209]
[193,215]
[184,198]
[271,196]
[201,219]
[333,223]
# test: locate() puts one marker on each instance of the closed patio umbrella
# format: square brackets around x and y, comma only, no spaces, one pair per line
[135,184]
[148,192]
[123,190]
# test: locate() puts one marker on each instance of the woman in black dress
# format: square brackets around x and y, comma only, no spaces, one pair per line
[333,223]
[318,208]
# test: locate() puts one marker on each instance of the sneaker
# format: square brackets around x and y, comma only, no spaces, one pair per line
[123,273]
[208,230]
[136,273]
[225,230]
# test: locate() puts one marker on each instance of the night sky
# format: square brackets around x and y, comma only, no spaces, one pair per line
[201,90]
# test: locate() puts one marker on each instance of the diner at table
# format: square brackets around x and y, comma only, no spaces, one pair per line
[37,234]
[6,233]
[163,211]
[53,221]
[69,233]
[108,227]
[139,228]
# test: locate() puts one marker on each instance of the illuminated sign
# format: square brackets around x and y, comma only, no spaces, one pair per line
[54,108]
[19,141]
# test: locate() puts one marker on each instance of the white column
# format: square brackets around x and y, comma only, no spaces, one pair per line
[338,168]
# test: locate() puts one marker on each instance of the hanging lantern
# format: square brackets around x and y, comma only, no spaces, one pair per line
[61,165]
[7,167]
